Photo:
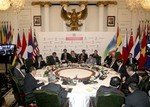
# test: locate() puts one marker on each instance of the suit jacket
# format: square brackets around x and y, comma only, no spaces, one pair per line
[104,89]
[52,61]
[92,61]
[134,61]
[19,76]
[36,57]
[30,83]
[123,71]
[85,57]
[74,59]
[133,78]
[68,57]
[108,60]
[114,65]
[42,64]
[58,89]
[137,99]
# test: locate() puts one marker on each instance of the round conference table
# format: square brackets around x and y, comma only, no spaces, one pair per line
[81,92]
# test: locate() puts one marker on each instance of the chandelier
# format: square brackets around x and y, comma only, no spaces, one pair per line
[136,4]
[16,5]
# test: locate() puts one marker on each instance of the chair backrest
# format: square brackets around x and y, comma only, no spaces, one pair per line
[19,94]
[46,98]
[110,99]
[10,70]
[17,91]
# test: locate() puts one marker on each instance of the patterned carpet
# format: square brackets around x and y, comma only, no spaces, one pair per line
[9,100]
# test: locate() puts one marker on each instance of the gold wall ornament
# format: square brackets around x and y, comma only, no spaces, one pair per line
[73,18]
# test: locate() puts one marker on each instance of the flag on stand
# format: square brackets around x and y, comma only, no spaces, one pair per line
[125,48]
[35,47]
[119,39]
[24,44]
[5,32]
[119,45]
[137,45]
[9,35]
[142,58]
[0,34]
[147,63]
[131,42]
[18,49]
[30,44]
[3,35]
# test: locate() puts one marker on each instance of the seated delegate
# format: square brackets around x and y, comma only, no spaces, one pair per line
[114,87]
[39,63]
[31,84]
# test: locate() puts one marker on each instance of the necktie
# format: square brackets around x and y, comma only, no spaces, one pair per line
[65,56]
[111,64]
[119,68]
[39,65]
[130,60]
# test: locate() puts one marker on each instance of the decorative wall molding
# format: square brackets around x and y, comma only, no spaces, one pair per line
[106,3]
[66,3]
[85,3]
[41,3]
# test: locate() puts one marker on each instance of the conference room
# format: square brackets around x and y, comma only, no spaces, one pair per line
[91,53]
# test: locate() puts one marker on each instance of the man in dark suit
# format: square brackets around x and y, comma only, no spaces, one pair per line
[37,55]
[83,56]
[133,77]
[122,69]
[114,87]
[74,57]
[18,73]
[39,64]
[65,56]
[53,59]
[62,93]
[30,83]
[108,59]
[21,60]
[131,61]
[97,57]
[137,98]
[113,64]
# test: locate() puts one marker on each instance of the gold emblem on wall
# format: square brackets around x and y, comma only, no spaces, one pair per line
[73,19]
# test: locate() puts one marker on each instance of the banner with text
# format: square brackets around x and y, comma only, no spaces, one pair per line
[57,41]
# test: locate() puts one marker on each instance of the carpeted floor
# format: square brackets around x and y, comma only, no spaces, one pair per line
[7,92]
[9,99]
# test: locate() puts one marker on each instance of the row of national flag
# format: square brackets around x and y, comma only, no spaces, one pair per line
[6,33]
[131,44]
[27,49]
